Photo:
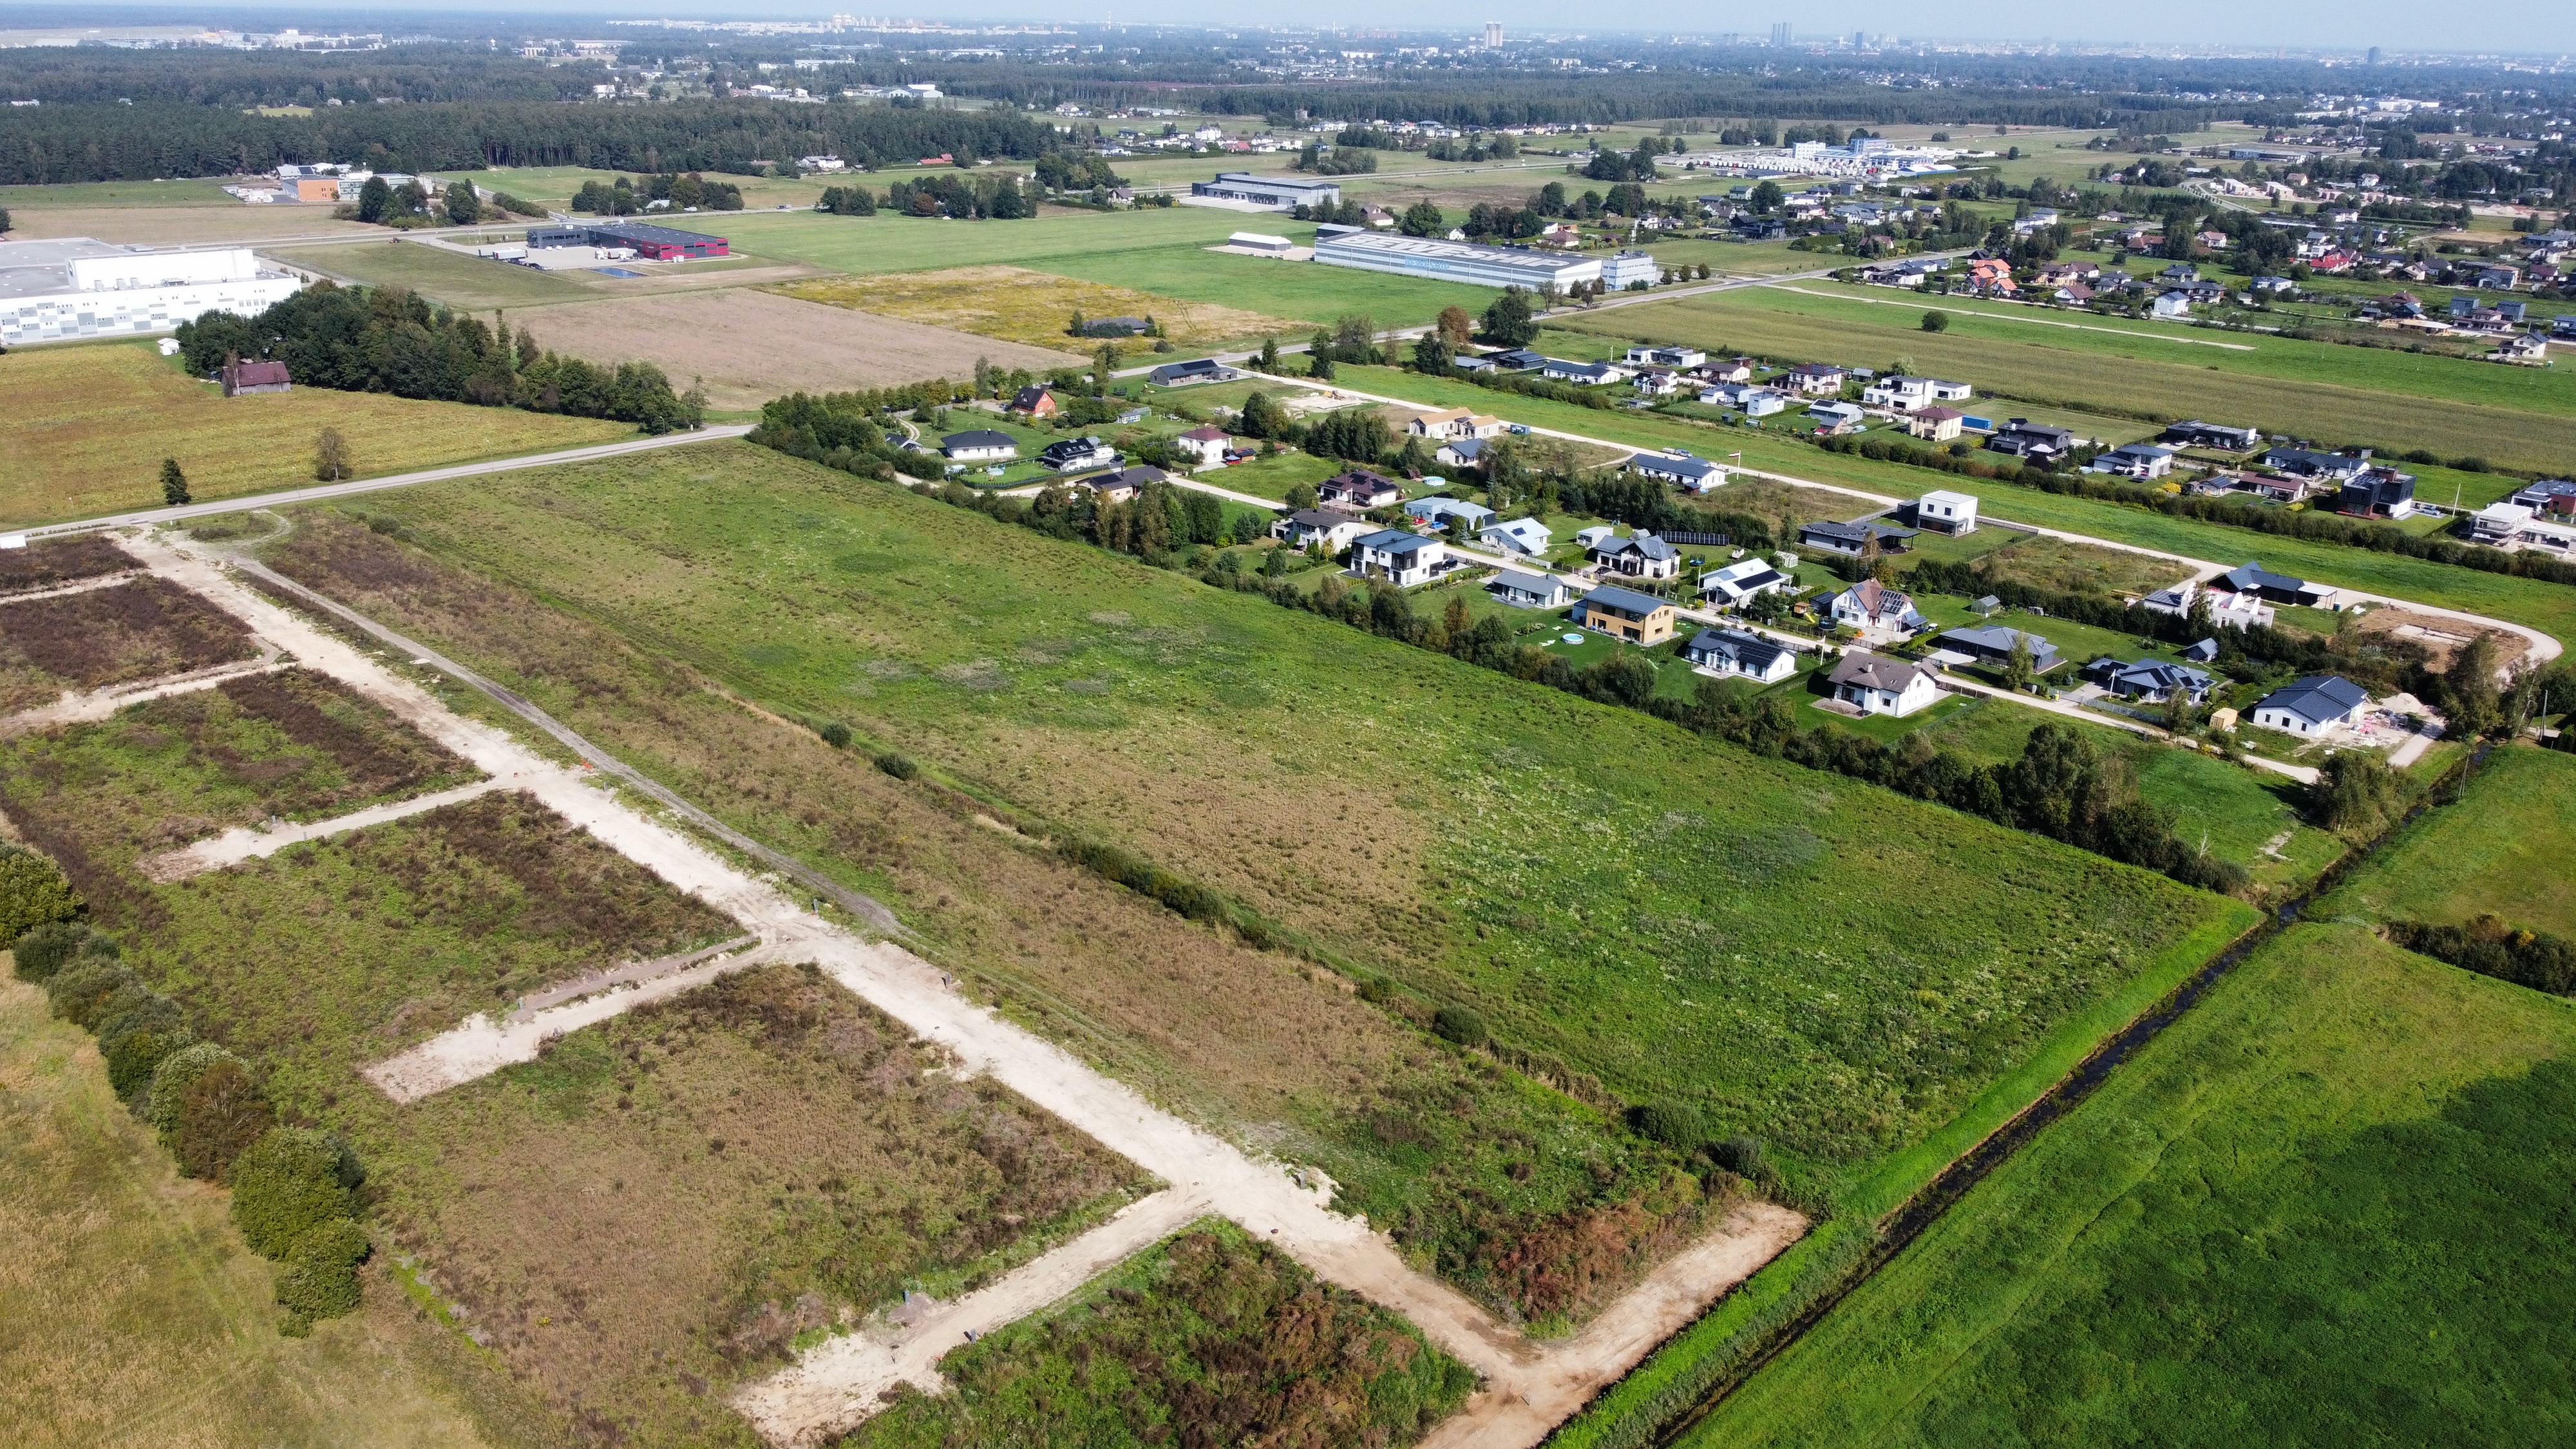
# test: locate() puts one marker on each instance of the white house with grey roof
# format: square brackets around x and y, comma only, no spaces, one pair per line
[1640,556]
[1519,536]
[1740,654]
[1742,582]
[1876,684]
[1527,590]
[2312,706]
[1399,557]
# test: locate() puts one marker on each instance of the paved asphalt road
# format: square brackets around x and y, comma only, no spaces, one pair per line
[394,480]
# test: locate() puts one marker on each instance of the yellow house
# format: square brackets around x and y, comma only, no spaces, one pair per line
[1936,425]
[1626,614]
[1454,424]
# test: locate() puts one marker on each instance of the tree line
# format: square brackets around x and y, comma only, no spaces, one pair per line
[53,144]
[387,339]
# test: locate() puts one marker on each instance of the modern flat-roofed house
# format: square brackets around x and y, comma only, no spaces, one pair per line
[1518,359]
[2512,526]
[1944,511]
[1740,654]
[1875,684]
[1626,614]
[2549,495]
[1742,582]
[2264,584]
[1320,528]
[1848,539]
[1359,490]
[1528,591]
[2378,493]
[2312,705]
[1398,556]
[1651,355]
[1278,193]
[1696,474]
[1639,556]
[2023,438]
[978,445]
[1907,394]
[1993,644]
[1519,536]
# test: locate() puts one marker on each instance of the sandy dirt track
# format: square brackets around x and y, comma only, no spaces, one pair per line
[752,346]
[242,843]
[1529,1388]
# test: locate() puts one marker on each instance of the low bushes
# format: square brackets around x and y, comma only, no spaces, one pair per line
[2489,946]
[294,1189]
[32,892]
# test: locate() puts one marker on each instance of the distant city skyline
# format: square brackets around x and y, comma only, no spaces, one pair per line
[2542,29]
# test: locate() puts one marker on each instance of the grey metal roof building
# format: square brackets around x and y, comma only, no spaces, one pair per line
[1448,261]
[1283,193]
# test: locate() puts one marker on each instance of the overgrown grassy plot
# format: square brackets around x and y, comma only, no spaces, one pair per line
[1273,1054]
[131,1313]
[1585,877]
[2328,1206]
[2502,848]
[667,1203]
[140,629]
[292,744]
[1212,1338]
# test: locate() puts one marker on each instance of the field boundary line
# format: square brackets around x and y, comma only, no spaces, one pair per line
[154,517]
[1783,286]
[98,704]
[243,842]
[76,586]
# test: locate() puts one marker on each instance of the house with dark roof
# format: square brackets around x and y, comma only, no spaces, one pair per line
[2378,493]
[1696,474]
[1183,374]
[1359,490]
[1320,528]
[1740,654]
[1438,511]
[1640,556]
[1874,608]
[1848,539]
[2148,679]
[248,377]
[2197,434]
[1519,359]
[1460,453]
[1035,402]
[1527,590]
[2312,705]
[2309,463]
[1876,684]
[2023,438]
[2264,584]
[1399,556]
[1626,614]
[1122,484]
[1816,378]
[1993,644]
[1070,455]
[978,445]
[2142,461]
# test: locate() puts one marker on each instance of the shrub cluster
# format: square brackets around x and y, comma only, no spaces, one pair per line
[32,892]
[2490,947]
[294,1189]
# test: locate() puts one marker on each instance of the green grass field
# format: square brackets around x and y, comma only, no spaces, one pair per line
[2395,400]
[2326,1207]
[2502,848]
[188,192]
[459,281]
[1603,888]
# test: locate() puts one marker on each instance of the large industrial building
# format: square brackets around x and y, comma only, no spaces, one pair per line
[1448,261]
[653,243]
[75,287]
[1279,193]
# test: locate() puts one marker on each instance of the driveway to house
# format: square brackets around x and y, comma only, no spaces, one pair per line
[157,517]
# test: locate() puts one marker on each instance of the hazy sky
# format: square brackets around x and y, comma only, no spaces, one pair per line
[2524,27]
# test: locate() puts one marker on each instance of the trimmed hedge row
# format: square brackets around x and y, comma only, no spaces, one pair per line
[294,1189]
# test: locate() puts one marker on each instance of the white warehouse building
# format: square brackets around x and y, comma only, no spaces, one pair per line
[74,287]
[1448,261]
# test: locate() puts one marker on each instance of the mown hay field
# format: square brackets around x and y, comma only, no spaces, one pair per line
[2511,416]
[131,1312]
[1031,308]
[2503,847]
[91,422]
[2329,1205]
[749,346]
[1671,916]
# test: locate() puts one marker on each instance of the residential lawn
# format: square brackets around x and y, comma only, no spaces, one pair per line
[90,424]
[134,1314]
[2501,848]
[2546,606]
[1607,890]
[1273,476]
[1214,1334]
[2394,400]
[473,283]
[2326,1206]
[2077,644]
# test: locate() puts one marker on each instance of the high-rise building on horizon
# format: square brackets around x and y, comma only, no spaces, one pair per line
[2374,55]
[1780,34]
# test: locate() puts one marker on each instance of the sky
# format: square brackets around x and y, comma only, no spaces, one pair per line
[2525,27]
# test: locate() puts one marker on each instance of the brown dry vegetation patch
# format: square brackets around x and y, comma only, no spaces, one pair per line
[138,630]
[2063,565]
[657,1207]
[375,752]
[2439,638]
[1242,1039]
[51,561]
[1019,305]
[750,346]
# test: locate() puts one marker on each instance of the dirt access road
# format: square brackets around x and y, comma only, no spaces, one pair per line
[1528,1387]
